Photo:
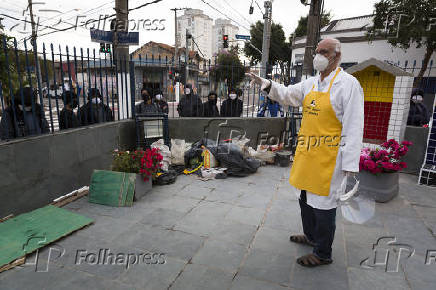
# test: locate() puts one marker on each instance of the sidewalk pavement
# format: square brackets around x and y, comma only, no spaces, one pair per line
[234,234]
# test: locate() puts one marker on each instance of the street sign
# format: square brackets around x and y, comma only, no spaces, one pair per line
[101,36]
[245,37]
[130,38]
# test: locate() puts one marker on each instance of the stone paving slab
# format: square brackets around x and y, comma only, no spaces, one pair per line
[234,234]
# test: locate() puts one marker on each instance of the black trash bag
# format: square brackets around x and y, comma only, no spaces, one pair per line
[193,155]
[177,168]
[165,178]
[230,156]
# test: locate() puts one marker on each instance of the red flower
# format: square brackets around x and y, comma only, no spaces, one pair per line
[369,164]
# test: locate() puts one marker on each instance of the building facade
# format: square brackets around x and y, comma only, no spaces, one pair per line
[200,27]
[220,28]
[356,48]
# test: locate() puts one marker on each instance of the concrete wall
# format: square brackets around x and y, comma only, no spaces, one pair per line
[256,129]
[34,171]
[414,158]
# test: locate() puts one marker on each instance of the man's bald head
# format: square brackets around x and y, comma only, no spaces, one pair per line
[331,49]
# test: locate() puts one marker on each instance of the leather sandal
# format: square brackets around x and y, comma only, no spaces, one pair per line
[301,239]
[311,260]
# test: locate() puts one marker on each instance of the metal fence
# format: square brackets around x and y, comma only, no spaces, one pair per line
[59,88]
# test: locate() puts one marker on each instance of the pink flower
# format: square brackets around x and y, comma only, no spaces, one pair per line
[406,143]
[369,164]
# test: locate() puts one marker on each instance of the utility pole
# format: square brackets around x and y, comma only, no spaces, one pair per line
[176,42]
[34,36]
[188,36]
[313,26]
[121,51]
[266,37]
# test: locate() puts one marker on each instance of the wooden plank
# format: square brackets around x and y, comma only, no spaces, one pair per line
[28,232]
[70,198]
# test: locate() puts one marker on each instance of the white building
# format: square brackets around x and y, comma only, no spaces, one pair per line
[352,33]
[200,26]
[223,27]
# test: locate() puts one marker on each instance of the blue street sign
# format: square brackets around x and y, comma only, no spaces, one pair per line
[130,38]
[101,36]
[245,37]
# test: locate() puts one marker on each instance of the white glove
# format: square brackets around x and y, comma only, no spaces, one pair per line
[263,83]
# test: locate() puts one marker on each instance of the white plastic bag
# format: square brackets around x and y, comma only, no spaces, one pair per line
[178,148]
[164,150]
[263,154]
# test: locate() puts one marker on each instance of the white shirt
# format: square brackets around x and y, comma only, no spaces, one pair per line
[346,97]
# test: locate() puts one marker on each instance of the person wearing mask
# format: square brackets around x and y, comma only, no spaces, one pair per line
[210,108]
[190,104]
[68,118]
[333,116]
[25,117]
[232,107]
[147,105]
[95,111]
[160,102]
[418,112]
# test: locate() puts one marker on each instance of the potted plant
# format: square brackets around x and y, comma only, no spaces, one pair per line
[379,170]
[144,163]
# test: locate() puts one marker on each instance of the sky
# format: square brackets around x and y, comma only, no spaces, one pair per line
[63,14]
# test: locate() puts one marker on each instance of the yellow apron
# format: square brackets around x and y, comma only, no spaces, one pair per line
[317,145]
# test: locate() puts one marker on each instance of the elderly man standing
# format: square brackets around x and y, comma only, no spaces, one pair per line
[329,143]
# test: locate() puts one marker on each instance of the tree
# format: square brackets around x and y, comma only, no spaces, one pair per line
[11,73]
[301,29]
[277,46]
[280,52]
[228,67]
[407,22]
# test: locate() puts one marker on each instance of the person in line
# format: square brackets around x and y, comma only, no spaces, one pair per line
[232,107]
[95,111]
[272,107]
[160,102]
[190,104]
[68,119]
[147,105]
[210,108]
[333,105]
[418,112]
[24,118]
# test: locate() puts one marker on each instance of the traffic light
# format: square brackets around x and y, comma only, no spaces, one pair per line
[105,47]
[225,41]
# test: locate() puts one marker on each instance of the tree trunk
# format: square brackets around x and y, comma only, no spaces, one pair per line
[427,56]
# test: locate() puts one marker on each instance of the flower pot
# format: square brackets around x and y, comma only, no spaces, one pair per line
[381,187]
[142,187]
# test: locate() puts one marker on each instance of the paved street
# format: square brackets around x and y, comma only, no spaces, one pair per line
[234,234]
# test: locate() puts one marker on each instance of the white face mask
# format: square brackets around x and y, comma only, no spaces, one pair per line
[320,62]
[27,108]
[417,99]
[158,97]
[187,91]
[232,96]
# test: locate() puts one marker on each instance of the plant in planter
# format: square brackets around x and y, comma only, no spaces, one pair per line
[144,163]
[379,170]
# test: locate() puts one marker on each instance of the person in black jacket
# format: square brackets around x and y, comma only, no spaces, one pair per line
[418,112]
[23,119]
[190,105]
[160,102]
[232,107]
[68,118]
[147,105]
[95,111]
[210,108]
